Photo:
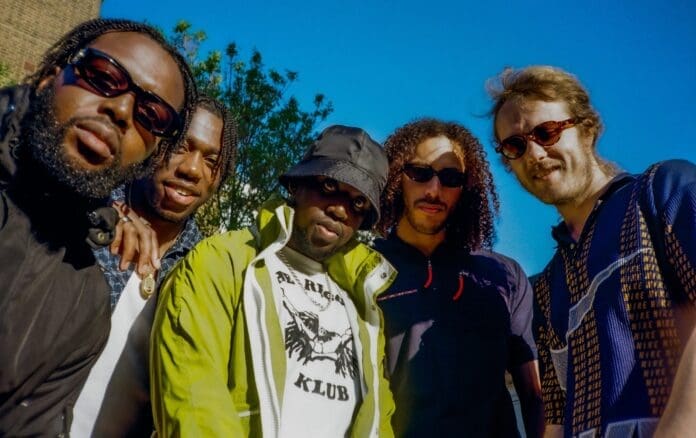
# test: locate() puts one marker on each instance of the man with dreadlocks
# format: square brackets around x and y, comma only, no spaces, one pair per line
[88,120]
[457,315]
[114,400]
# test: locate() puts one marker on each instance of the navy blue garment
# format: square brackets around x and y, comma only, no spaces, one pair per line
[117,279]
[454,323]
[616,306]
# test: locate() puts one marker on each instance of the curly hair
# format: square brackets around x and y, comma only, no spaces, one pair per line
[471,223]
[60,53]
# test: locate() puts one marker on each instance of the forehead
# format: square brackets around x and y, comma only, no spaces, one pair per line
[439,152]
[523,115]
[147,63]
[205,130]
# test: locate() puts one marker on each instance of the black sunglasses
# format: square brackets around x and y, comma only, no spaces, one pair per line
[108,78]
[449,176]
[544,134]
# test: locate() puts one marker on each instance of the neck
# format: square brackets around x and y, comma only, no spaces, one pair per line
[425,243]
[576,211]
[166,231]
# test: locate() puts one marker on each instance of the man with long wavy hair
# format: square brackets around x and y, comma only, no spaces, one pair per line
[617,302]
[458,315]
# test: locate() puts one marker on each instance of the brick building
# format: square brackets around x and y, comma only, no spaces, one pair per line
[29,27]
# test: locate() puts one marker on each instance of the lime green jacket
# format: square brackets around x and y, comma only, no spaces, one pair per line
[217,358]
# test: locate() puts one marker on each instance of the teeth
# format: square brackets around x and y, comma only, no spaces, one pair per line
[183,192]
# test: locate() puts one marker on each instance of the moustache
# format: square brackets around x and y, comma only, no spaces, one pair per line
[430,201]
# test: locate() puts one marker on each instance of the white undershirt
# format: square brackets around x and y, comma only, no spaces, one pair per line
[322,387]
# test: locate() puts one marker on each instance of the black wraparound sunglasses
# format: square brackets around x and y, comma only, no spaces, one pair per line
[105,76]
[421,173]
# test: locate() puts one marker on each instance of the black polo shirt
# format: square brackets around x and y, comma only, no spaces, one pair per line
[454,322]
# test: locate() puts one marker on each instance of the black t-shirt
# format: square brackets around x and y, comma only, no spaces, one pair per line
[454,323]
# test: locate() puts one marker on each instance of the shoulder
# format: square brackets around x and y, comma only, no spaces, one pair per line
[224,246]
[669,182]
[496,264]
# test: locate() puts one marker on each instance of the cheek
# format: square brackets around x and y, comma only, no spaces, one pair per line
[136,147]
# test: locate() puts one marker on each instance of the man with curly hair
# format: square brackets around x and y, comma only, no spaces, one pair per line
[91,118]
[457,315]
[617,302]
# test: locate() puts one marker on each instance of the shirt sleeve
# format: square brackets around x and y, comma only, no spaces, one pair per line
[522,346]
[674,200]
[190,349]
[551,392]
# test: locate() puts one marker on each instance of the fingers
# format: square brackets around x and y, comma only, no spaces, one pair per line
[136,242]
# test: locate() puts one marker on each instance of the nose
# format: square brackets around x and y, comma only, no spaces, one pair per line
[535,152]
[432,187]
[337,211]
[191,166]
[120,109]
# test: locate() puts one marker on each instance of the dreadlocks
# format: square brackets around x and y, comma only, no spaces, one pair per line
[471,222]
[228,147]
[61,52]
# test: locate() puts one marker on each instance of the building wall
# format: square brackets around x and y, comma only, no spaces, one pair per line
[29,27]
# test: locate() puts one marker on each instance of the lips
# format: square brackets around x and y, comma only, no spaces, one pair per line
[429,207]
[544,172]
[328,231]
[180,194]
[98,142]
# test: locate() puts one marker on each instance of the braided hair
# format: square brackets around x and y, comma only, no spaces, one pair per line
[470,225]
[228,148]
[60,53]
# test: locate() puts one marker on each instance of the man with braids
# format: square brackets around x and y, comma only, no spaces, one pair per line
[618,299]
[115,399]
[88,120]
[457,315]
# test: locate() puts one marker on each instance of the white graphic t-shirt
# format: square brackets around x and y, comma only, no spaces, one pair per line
[322,386]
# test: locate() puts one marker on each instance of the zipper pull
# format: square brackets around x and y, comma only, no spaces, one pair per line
[460,289]
[429,280]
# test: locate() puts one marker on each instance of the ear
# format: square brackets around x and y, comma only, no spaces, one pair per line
[46,80]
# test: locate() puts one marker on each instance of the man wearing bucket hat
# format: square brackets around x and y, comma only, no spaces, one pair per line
[274,330]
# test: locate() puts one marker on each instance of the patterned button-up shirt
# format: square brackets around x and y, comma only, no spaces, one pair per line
[117,279]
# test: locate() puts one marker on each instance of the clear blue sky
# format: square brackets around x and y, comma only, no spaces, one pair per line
[383,65]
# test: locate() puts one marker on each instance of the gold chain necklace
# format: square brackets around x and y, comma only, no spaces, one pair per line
[322,307]
[147,283]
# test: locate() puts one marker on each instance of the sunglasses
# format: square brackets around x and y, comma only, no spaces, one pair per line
[544,134]
[449,176]
[108,78]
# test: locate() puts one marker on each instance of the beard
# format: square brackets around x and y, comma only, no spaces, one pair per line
[423,226]
[44,136]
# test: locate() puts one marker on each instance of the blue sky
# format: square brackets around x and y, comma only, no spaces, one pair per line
[383,65]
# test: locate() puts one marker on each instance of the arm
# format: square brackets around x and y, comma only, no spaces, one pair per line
[528,387]
[679,418]
[674,191]
[523,366]
[190,348]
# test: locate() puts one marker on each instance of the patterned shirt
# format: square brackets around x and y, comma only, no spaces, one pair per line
[611,324]
[117,279]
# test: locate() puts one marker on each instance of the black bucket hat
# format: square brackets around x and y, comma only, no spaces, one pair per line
[348,155]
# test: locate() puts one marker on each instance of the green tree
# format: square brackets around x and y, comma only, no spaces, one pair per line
[274,129]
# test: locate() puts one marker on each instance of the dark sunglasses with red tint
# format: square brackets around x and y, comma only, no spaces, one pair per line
[108,78]
[544,134]
[449,176]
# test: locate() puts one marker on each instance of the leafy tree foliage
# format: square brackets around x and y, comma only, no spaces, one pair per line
[274,129]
